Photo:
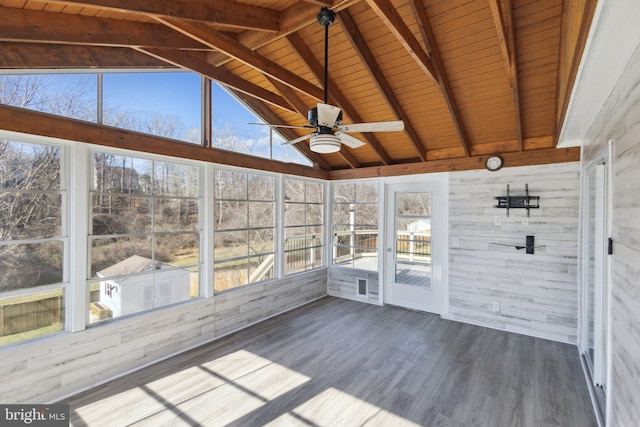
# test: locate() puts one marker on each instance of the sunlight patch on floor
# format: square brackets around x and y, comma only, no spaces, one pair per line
[214,393]
[337,408]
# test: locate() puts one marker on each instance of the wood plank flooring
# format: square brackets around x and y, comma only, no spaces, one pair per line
[338,362]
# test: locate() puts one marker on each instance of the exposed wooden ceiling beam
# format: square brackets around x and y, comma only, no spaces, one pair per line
[197,63]
[327,3]
[430,41]
[65,56]
[534,157]
[18,25]
[507,146]
[392,19]
[335,94]
[501,28]
[222,12]
[292,19]
[36,123]
[359,44]
[503,21]
[291,96]
[224,43]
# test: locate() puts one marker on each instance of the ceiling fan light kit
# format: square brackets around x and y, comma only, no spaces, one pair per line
[325,143]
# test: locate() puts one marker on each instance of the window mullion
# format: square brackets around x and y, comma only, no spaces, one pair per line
[279,245]
[79,231]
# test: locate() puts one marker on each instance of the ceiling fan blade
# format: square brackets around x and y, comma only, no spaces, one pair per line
[296,140]
[283,126]
[348,140]
[392,126]
[327,115]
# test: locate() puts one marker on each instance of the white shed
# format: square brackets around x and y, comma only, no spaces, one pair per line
[162,285]
[419,226]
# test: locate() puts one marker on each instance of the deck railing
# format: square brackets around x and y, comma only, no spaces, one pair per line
[410,245]
[305,252]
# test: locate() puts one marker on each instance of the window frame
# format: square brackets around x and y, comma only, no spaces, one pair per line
[64,237]
[323,208]
[206,107]
[379,204]
[275,252]
[199,198]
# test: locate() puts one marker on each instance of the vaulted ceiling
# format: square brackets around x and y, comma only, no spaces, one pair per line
[469,78]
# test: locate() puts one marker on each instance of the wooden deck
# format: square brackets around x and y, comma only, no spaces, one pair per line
[413,274]
[407,273]
[339,362]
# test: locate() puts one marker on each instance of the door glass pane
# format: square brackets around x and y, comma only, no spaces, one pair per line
[414,204]
[413,239]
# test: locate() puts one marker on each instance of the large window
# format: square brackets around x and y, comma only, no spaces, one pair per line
[355,225]
[303,225]
[232,129]
[244,228]
[166,104]
[32,240]
[68,95]
[145,234]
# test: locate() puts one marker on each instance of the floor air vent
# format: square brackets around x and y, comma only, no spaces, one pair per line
[363,286]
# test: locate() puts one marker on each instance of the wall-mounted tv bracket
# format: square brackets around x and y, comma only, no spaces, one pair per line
[518,202]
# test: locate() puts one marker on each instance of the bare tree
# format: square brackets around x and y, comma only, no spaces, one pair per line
[67,95]
[31,209]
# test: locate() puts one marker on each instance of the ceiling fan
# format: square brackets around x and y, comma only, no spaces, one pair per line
[326,119]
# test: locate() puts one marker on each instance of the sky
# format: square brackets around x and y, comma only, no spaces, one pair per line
[174,93]
[171,93]
[147,94]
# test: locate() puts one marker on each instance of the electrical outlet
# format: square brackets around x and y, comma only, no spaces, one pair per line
[525,221]
[496,220]
[455,242]
[496,306]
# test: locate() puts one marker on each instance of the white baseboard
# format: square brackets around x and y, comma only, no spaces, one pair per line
[515,330]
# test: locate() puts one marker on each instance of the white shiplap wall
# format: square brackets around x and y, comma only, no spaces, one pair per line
[537,293]
[342,283]
[60,365]
[620,120]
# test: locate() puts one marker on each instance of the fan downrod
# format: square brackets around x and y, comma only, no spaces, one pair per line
[326,17]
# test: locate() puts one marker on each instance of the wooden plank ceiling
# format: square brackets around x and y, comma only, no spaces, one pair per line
[469,78]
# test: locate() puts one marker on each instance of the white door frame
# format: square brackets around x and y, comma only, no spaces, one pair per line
[602,168]
[439,244]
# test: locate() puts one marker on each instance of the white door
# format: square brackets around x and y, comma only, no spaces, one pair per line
[595,264]
[414,247]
